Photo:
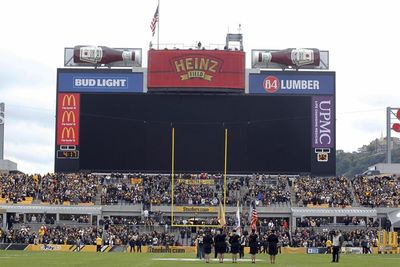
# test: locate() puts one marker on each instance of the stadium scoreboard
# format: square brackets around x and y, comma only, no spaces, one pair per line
[110,120]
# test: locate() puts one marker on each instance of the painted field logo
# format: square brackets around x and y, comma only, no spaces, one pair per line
[201,67]
[271,84]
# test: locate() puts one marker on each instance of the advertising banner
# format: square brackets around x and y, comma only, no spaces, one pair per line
[61,248]
[292,83]
[68,108]
[195,209]
[191,69]
[352,250]
[316,250]
[196,181]
[323,122]
[101,81]
[170,249]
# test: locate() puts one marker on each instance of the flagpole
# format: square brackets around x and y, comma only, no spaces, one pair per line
[158,27]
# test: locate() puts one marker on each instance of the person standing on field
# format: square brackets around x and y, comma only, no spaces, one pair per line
[272,246]
[99,243]
[253,244]
[207,244]
[337,241]
[234,241]
[328,245]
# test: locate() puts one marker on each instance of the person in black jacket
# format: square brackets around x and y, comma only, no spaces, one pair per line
[242,244]
[207,244]
[234,240]
[220,245]
[272,246]
[253,244]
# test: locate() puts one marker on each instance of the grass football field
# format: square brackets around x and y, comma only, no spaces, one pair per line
[42,259]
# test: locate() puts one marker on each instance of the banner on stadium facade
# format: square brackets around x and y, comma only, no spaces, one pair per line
[316,250]
[100,81]
[196,181]
[170,249]
[194,209]
[217,70]
[61,248]
[323,121]
[352,250]
[292,83]
[68,113]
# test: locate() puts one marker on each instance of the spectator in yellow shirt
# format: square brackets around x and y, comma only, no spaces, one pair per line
[328,245]
[99,242]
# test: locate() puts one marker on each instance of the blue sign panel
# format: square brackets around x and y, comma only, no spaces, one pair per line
[292,83]
[126,82]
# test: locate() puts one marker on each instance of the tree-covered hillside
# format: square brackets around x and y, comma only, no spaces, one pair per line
[352,163]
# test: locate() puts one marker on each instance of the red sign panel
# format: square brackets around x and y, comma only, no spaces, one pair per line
[212,69]
[68,119]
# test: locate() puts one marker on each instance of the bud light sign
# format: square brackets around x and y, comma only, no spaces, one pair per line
[100,81]
[292,83]
[323,120]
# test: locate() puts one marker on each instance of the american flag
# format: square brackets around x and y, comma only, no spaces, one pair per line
[154,21]
[253,222]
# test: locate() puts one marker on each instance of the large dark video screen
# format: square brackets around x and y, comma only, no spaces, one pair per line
[133,132]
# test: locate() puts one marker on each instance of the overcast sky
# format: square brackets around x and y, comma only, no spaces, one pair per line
[362,37]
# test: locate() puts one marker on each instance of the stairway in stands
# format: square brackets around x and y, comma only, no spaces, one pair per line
[98,195]
[293,201]
[353,195]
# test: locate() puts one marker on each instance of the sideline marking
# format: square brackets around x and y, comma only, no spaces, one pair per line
[192,259]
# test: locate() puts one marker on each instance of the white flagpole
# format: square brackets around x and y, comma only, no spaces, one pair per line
[158,27]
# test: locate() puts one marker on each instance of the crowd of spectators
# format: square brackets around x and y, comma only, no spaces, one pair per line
[329,221]
[307,237]
[194,189]
[114,234]
[16,187]
[267,190]
[199,189]
[333,191]
[156,219]
[121,234]
[313,222]
[73,188]
[377,191]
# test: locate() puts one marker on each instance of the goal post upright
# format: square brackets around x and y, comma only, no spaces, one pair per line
[173,180]
[172,174]
[225,165]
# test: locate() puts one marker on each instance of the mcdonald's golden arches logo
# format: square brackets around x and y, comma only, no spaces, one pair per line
[68,133]
[68,111]
[70,100]
[68,117]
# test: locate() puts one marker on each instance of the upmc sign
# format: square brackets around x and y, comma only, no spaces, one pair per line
[323,120]
[194,69]
[68,119]
[292,83]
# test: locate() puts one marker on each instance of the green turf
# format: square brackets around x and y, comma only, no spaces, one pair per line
[42,259]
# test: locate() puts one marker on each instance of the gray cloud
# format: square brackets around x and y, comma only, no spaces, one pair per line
[16,71]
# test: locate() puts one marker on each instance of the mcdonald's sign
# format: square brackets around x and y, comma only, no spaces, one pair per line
[68,117]
[69,100]
[68,133]
[68,108]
